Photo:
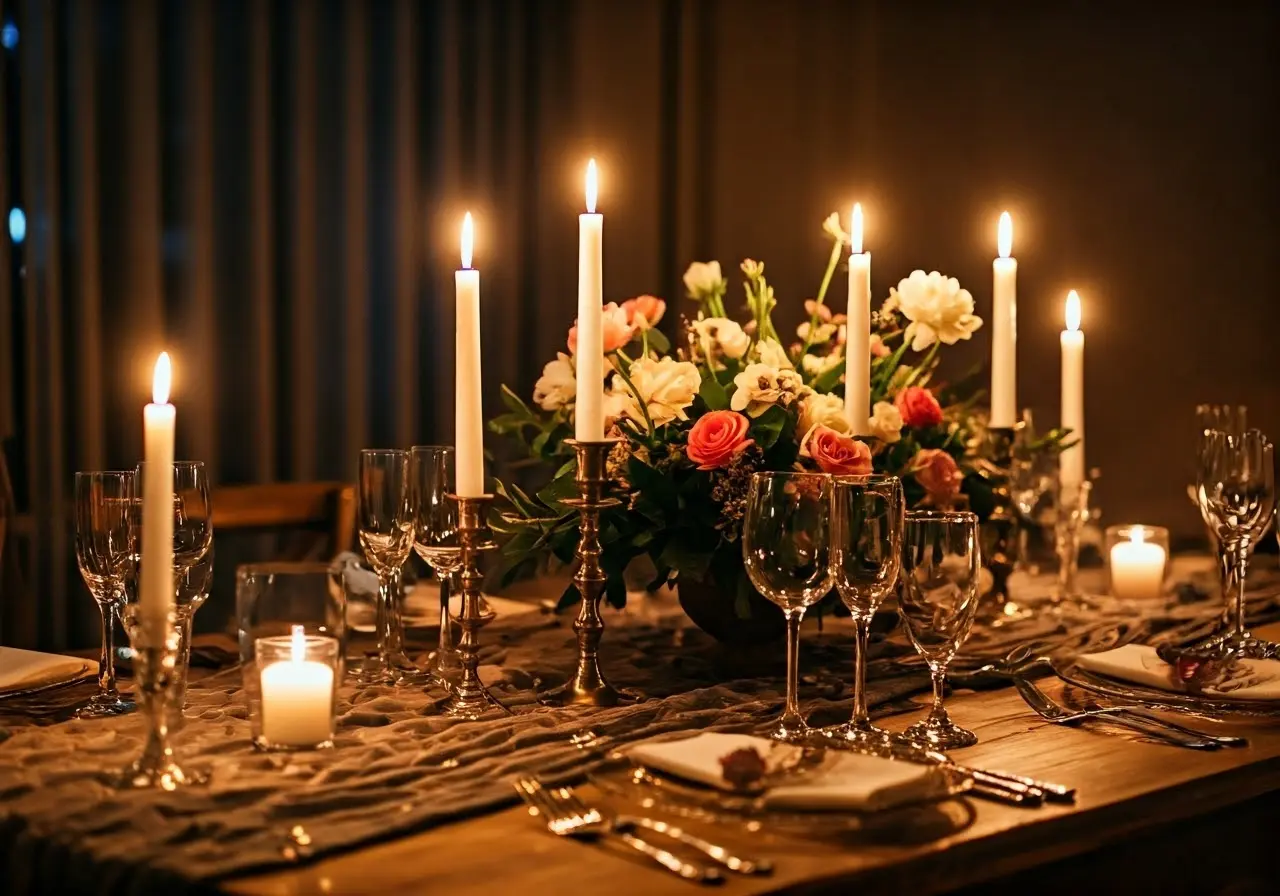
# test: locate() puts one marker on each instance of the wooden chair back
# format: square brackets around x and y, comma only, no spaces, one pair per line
[325,506]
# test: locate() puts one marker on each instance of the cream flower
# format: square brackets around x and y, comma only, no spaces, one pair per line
[821,333]
[822,409]
[720,336]
[762,386]
[939,310]
[885,423]
[831,227]
[666,386]
[817,365]
[771,353]
[558,385]
[703,278]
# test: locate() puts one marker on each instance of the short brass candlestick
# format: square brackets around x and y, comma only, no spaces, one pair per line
[1000,531]
[469,698]
[588,687]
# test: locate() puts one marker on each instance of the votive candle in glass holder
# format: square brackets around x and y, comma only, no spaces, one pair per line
[1137,560]
[298,677]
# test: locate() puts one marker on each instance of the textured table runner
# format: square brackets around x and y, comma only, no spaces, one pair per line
[396,768]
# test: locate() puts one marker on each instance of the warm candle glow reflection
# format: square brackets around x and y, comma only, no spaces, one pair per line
[1136,535]
[855,229]
[298,645]
[592,187]
[1073,311]
[161,380]
[1004,235]
[468,239]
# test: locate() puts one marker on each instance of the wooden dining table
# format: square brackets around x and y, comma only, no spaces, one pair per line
[1148,818]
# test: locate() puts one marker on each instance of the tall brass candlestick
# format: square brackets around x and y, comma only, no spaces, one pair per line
[470,698]
[588,687]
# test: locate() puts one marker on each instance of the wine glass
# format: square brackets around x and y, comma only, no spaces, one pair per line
[1233,420]
[866,550]
[385,522]
[1031,480]
[785,549]
[104,551]
[938,600]
[1236,488]
[1072,512]
[193,591]
[435,539]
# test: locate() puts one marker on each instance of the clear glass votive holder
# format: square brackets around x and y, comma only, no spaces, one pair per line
[294,703]
[1137,560]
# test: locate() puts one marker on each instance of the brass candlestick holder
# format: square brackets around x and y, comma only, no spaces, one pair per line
[1000,531]
[469,698]
[588,686]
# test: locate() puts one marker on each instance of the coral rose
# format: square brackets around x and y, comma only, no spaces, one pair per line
[614,326]
[937,473]
[716,439]
[644,312]
[918,407]
[836,454]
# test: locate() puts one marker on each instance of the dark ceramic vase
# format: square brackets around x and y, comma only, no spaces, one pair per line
[712,609]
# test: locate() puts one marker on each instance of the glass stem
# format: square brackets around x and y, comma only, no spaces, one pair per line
[1226,569]
[384,616]
[792,711]
[938,675]
[1242,564]
[862,634]
[395,619]
[1068,558]
[107,660]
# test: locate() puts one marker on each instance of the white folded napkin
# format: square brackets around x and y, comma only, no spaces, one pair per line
[22,670]
[844,781]
[1140,664]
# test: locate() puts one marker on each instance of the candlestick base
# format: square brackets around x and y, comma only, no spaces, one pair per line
[1000,530]
[588,686]
[469,698]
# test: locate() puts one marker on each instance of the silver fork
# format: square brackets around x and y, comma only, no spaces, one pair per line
[588,823]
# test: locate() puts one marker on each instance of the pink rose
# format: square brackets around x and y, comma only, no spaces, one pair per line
[644,312]
[811,307]
[878,348]
[616,329]
[918,407]
[837,454]
[937,473]
[717,438]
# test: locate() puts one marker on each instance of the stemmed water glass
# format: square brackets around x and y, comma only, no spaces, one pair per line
[104,552]
[1236,489]
[193,591]
[435,539]
[938,600]
[385,522]
[1072,512]
[1233,420]
[785,546]
[866,550]
[1032,478]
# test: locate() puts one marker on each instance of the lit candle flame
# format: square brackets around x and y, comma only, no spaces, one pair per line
[855,229]
[468,239]
[162,379]
[298,645]
[1073,311]
[592,187]
[1004,235]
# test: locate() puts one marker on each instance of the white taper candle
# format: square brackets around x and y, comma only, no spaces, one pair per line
[156,587]
[857,370]
[1073,392]
[1004,330]
[468,410]
[589,405]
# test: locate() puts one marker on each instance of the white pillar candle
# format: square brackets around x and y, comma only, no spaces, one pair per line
[589,406]
[297,699]
[857,346]
[156,587]
[1004,329]
[1073,392]
[1137,567]
[468,411]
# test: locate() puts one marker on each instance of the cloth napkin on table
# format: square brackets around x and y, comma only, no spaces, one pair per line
[1139,664]
[22,670]
[844,781]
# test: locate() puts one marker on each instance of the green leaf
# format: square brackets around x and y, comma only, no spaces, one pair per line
[652,484]
[519,500]
[828,380]
[558,490]
[658,341]
[515,404]
[680,555]
[768,427]
[713,394]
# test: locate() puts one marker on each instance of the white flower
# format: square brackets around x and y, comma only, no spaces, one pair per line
[771,353]
[719,335]
[557,386]
[821,333]
[703,278]
[832,228]
[816,365]
[939,310]
[885,423]
[762,386]
[666,386]
[822,409]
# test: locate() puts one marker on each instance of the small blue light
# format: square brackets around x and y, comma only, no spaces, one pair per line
[17,225]
[9,35]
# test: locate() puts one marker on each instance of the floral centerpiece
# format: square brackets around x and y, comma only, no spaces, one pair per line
[732,399]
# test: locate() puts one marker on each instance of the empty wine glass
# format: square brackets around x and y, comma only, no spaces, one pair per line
[1071,514]
[435,540]
[938,600]
[1032,479]
[385,523]
[193,591]
[1233,420]
[1236,489]
[786,551]
[104,552]
[866,550]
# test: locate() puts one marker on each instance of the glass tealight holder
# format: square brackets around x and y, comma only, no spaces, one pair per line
[293,705]
[1137,559]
